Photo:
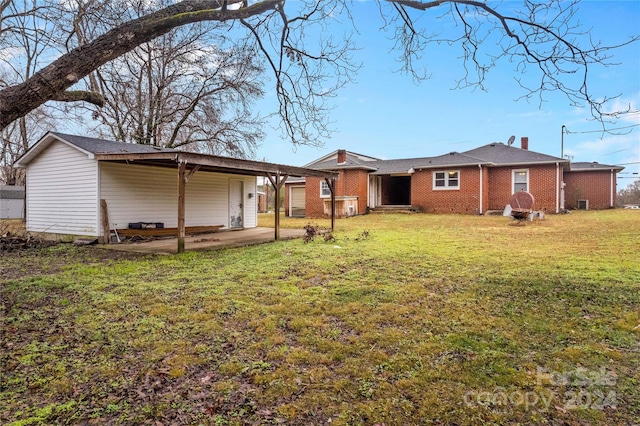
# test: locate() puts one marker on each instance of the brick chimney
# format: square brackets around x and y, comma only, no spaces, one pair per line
[524,143]
[342,156]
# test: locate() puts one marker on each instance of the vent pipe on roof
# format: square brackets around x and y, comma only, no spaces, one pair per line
[342,156]
[524,142]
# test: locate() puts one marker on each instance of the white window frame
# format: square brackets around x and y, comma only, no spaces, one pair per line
[325,192]
[513,179]
[447,185]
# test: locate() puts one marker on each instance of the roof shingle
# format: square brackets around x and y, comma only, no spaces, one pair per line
[501,154]
[103,146]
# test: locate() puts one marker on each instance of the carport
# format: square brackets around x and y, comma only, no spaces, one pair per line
[187,164]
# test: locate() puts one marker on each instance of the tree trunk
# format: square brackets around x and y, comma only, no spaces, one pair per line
[48,83]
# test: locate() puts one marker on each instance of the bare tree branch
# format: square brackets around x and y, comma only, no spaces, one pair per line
[79,96]
[16,101]
[543,38]
[308,71]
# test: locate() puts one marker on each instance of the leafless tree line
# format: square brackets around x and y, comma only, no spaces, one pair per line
[185,74]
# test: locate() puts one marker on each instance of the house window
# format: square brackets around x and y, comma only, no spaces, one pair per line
[325,192]
[446,180]
[520,180]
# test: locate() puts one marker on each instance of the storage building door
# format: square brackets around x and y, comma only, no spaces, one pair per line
[297,197]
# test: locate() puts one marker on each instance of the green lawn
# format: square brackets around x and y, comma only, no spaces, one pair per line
[402,319]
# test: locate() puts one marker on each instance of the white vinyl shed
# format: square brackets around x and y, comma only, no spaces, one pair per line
[70,180]
[11,202]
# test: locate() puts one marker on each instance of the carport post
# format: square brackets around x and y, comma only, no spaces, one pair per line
[182,167]
[277,184]
[331,183]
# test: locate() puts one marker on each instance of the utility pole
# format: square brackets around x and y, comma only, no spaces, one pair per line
[562,141]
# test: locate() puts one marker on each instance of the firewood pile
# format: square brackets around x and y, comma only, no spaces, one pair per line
[10,241]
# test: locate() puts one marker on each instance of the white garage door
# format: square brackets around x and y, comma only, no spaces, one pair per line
[297,201]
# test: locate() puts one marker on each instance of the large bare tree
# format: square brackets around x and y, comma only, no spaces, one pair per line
[309,64]
[25,37]
[177,93]
[189,88]
[630,194]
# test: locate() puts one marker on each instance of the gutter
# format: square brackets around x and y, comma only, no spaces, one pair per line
[446,166]
[480,167]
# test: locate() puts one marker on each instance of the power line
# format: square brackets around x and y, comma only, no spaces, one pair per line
[615,152]
[568,132]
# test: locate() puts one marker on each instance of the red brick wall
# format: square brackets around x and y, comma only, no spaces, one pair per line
[314,205]
[542,185]
[463,200]
[485,189]
[497,190]
[352,183]
[594,186]
[356,184]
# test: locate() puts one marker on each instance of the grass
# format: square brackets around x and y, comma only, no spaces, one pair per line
[422,319]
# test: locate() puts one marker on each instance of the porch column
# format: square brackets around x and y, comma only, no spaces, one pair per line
[182,167]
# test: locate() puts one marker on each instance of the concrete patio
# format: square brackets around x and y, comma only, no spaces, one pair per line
[220,239]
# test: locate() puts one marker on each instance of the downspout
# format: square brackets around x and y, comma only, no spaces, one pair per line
[368,191]
[563,194]
[480,167]
[557,187]
[612,191]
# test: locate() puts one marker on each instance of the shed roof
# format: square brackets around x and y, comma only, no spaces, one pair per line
[104,146]
[106,150]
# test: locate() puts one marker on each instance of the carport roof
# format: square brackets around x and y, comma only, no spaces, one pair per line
[106,150]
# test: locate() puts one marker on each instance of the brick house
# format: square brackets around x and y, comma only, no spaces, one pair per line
[471,182]
[591,186]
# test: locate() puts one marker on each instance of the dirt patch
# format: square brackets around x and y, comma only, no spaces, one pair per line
[38,261]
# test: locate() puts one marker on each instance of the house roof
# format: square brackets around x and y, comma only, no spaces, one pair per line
[579,166]
[106,150]
[493,154]
[500,154]
[398,166]
[408,165]
[353,161]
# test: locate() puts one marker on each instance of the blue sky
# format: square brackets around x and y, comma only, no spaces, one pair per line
[385,114]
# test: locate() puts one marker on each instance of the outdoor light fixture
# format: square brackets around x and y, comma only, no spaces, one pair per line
[250,195]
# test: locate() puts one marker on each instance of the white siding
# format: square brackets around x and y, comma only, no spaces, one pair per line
[150,194]
[250,204]
[11,209]
[62,192]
